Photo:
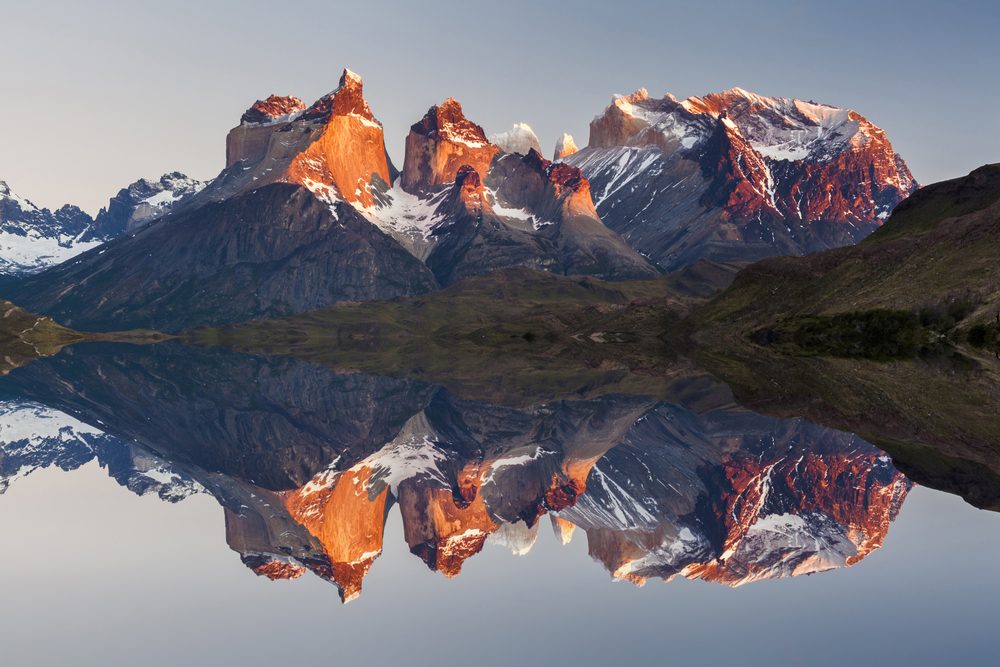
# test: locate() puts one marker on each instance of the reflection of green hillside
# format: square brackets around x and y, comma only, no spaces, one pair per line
[939,419]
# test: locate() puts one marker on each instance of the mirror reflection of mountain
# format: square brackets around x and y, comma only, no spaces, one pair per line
[307,464]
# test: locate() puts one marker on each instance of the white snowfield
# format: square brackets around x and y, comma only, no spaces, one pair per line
[33,251]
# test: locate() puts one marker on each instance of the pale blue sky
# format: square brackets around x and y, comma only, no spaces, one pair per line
[97,94]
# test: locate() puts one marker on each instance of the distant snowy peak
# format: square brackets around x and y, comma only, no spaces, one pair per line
[519,139]
[33,238]
[565,147]
[140,203]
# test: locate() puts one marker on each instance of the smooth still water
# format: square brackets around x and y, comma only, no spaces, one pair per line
[168,505]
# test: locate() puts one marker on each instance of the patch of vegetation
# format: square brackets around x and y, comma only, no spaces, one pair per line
[879,335]
[882,334]
[985,335]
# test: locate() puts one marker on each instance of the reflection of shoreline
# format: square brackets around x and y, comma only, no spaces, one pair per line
[727,496]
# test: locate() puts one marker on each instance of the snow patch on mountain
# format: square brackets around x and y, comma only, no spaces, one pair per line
[517,537]
[406,217]
[33,251]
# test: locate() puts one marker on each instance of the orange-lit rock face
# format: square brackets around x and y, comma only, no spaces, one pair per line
[275,108]
[250,139]
[336,143]
[440,144]
[347,520]
[350,152]
[468,194]
[619,126]
[442,532]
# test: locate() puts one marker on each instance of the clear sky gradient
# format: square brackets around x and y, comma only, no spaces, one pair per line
[97,94]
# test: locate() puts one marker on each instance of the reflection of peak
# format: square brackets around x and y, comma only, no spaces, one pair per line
[747,498]
[34,437]
[273,567]
[518,537]
[347,520]
[563,529]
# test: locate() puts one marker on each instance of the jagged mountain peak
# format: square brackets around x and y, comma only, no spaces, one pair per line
[34,238]
[468,194]
[738,175]
[347,99]
[638,95]
[7,194]
[142,202]
[439,144]
[335,148]
[448,121]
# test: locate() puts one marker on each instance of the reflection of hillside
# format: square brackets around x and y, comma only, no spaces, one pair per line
[937,418]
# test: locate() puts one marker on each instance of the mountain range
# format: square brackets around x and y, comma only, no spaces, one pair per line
[310,210]
[33,238]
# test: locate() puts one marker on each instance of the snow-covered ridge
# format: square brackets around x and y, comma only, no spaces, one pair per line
[779,128]
[6,193]
[33,251]
[33,238]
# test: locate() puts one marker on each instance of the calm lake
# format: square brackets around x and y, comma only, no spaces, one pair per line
[166,504]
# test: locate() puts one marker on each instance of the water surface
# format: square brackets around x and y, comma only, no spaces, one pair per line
[166,504]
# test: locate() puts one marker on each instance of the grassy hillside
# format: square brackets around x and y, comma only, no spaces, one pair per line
[940,247]
[25,336]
